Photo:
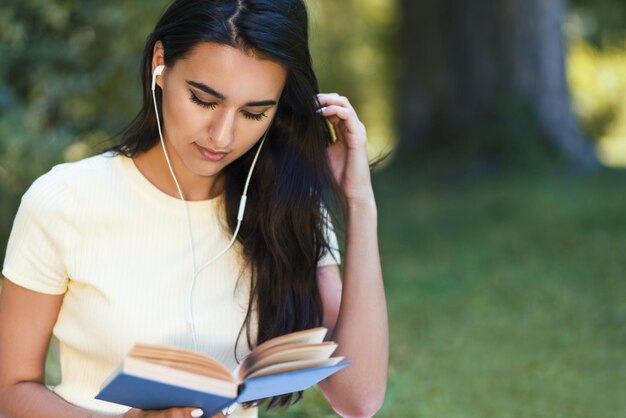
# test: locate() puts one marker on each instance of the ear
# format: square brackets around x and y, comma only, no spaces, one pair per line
[158,58]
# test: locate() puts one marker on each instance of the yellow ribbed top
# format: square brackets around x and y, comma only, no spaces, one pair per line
[99,232]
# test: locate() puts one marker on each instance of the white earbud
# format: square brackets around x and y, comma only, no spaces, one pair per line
[157,72]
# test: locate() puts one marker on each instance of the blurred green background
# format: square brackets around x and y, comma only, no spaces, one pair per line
[502,210]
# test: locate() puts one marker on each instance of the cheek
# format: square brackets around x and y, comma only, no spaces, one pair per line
[181,116]
[249,134]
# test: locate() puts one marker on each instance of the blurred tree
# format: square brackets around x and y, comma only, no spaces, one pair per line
[470,61]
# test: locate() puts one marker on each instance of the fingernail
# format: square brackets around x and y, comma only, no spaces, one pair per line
[321,110]
[197,413]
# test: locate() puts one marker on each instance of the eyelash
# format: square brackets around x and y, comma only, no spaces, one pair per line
[252,116]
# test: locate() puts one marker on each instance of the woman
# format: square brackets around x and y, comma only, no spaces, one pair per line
[112,250]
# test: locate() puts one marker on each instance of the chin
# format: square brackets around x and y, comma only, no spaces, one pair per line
[209,169]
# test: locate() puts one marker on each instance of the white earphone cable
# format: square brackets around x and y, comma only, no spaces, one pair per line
[190,319]
[240,213]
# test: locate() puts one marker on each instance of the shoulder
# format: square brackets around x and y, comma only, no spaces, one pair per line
[82,174]
[82,170]
[64,180]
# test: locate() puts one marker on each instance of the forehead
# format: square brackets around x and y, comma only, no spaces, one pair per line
[238,75]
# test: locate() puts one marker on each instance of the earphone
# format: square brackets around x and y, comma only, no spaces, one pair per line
[242,205]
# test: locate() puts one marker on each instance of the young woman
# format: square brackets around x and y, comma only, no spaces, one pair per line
[116,248]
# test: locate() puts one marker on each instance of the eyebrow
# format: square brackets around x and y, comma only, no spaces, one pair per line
[211,91]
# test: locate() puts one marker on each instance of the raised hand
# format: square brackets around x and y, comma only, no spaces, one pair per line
[348,155]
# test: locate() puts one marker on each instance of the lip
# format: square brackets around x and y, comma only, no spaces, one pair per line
[209,154]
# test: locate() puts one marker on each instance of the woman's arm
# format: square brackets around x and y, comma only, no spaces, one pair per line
[356,310]
[26,322]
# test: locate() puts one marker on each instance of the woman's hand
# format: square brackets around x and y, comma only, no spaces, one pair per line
[348,155]
[168,413]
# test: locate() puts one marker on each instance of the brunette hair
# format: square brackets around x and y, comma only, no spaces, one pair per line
[283,234]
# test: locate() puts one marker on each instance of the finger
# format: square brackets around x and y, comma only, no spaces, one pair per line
[340,112]
[334,99]
[327,94]
[344,116]
[167,413]
[186,412]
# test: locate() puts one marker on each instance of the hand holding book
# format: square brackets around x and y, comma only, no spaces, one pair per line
[154,377]
[169,413]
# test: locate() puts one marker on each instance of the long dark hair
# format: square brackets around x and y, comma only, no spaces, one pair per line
[283,234]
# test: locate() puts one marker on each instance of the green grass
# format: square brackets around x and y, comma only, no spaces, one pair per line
[506,296]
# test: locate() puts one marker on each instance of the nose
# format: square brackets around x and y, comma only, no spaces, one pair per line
[221,128]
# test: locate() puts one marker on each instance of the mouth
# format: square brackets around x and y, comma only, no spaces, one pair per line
[210,155]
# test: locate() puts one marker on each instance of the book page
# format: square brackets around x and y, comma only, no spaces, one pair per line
[308,336]
[293,365]
[287,353]
[181,359]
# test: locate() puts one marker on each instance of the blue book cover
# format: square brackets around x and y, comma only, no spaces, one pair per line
[127,389]
[279,384]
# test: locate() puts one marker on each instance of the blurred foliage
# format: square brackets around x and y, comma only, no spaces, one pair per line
[68,75]
[596,66]
[603,22]
[354,50]
[598,82]
[598,85]
[65,77]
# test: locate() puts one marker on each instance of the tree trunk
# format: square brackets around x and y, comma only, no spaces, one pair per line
[462,56]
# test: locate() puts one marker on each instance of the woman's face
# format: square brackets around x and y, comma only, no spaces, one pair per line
[217,103]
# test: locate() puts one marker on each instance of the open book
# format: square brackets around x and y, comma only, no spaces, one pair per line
[159,377]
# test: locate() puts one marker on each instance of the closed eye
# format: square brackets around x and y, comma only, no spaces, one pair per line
[213,105]
[254,116]
[197,101]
